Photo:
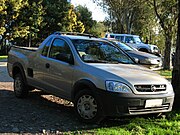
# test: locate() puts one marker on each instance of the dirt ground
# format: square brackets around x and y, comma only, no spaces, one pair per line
[40,113]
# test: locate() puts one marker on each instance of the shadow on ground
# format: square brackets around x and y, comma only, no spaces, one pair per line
[40,113]
[44,113]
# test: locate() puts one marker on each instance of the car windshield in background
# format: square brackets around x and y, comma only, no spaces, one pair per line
[124,47]
[137,40]
[93,51]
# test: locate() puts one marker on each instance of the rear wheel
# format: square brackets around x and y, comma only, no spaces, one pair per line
[88,107]
[20,88]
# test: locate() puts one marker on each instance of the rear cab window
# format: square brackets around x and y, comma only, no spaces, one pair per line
[45,49]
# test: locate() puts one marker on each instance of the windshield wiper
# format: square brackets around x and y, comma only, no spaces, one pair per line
[95,61]
[101,61]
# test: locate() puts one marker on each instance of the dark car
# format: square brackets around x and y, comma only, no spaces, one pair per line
[149,60]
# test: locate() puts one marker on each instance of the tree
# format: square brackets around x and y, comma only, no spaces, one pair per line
[2,15]
[9,12]
[72,23]
[176,68]
[98,30]
[85,16]
[31,17]
[55,13]
[166,12]
[126,15]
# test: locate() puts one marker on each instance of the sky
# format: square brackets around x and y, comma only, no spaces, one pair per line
[97,12]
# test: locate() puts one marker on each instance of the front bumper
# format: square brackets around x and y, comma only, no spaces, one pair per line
[119,104]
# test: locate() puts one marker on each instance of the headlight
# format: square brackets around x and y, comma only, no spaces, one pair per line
[150,61]
[114,86]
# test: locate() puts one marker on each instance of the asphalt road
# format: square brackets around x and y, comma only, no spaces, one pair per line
[4,77]
[6,82]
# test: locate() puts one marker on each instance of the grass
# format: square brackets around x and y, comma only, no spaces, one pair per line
[141,126]
[3,57]
[169,125]
[166,73]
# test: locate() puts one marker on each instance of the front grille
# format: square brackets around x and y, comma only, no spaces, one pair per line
[140,110]
[150,88]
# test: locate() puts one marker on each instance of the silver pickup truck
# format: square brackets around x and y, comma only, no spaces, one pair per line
[97,76]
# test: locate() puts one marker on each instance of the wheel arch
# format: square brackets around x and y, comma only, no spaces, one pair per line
[18,68]
[80,85]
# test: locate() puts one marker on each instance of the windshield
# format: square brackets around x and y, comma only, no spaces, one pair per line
[124,46]
[137,40]
[100,52]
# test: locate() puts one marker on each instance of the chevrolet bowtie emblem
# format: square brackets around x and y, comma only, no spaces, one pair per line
[153,88]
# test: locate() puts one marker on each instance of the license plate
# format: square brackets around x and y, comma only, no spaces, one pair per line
[153,103]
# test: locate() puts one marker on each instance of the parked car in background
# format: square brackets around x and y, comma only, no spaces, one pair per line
[135,41]
[149,60]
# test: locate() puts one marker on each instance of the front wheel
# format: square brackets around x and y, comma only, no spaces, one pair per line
[20,88]
[88,107]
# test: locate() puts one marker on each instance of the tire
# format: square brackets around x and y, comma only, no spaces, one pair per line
[88,107]
[20,88]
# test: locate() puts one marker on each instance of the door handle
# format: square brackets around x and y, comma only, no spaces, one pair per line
[47,65]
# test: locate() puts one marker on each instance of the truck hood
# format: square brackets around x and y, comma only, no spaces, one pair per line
[133,74]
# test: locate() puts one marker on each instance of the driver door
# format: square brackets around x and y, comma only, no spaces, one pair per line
[58,73]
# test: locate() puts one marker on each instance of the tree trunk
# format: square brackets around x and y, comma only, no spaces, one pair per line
[176,69]
[167,52]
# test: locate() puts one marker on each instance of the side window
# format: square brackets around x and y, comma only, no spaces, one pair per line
[111,36]
[60,50]
[129,40]
[122,38]
[46,48]
[119,38]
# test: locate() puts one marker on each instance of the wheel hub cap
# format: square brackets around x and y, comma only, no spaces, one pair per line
[87,107]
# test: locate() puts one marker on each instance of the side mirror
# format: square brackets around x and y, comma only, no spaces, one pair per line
[86,57]
[136,60]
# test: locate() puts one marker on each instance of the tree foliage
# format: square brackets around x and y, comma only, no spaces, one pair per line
[10,11]
[166,13]
[126,14]
[72,22]
[26,22]
[55,12]
[85,16]
[31,19]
